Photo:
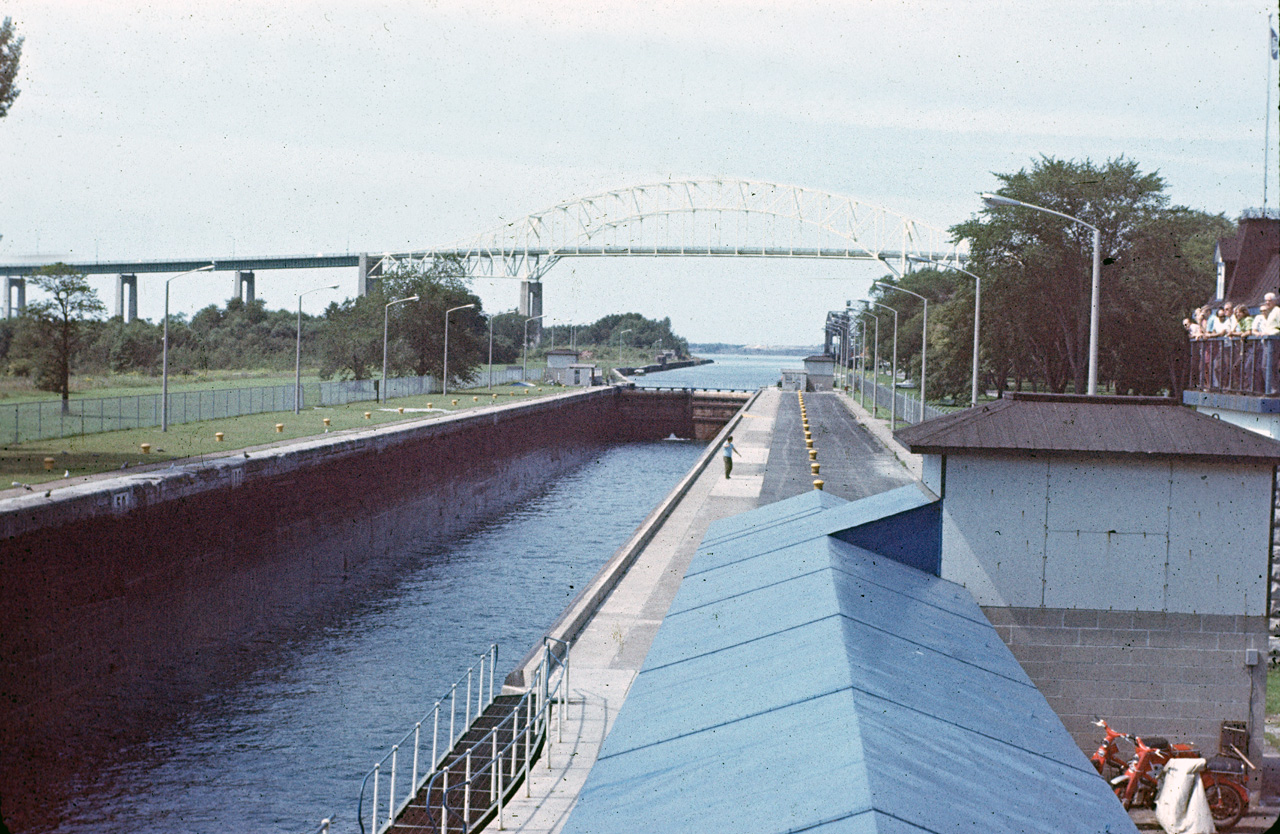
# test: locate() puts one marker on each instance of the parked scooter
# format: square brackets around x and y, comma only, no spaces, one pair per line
[1223,778]
[1106,759]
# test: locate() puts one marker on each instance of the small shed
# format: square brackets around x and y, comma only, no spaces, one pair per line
[821,372]
[1116,539]
[561,358]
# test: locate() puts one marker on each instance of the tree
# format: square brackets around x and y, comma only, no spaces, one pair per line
[419,334]
[1037,268]
[54,325]
[10,52]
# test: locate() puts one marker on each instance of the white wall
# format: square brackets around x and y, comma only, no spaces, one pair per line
[1086,532]
[1264,424]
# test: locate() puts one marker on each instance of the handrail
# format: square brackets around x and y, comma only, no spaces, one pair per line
[489,658]
[1237,364]
[492,769]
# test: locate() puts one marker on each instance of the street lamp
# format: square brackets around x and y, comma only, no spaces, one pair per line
[893,374]
[444,383]
[977,321]
[524,358]
[995,200]
[620,335]
[924,337]
[164,373]
[385,313]
[491,318]
[875,365]
[297,365]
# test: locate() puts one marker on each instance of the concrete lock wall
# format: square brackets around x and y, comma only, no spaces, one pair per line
[1129,590]
[122,589]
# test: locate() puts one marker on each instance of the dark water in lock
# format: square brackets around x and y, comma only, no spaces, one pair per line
[284,740]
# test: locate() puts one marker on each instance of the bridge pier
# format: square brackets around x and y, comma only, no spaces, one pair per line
[127,283]
[13,282]
[368,277]
[530,306]
[244,287]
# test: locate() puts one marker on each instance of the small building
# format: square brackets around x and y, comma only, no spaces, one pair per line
[563,368]
[1121,546]
[794,380]
[821,372]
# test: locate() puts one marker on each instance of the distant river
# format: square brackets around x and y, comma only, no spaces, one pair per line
[728,370]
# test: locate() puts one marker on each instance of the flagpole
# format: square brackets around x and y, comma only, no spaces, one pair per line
[1272,54]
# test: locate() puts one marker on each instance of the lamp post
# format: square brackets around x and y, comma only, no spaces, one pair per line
[164,373]
[995,200]
[977,322]
[924,337]
[444,382]
[297,364]
[524,358]
[875,365]
[491,318]
[893,374]
[620,335]
[862,364]
[385,315]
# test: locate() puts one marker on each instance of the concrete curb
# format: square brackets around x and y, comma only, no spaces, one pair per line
[584,606]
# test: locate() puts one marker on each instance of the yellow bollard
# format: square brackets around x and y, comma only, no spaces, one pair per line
[217,435]
[475,399]
[495,396]
[539,387]
[813,454]
[814,467]
[455,402]
[279,428]
[818,484]
[808,444]
[401,408]
[48,464]
[368,414]
[326,422]
[146,448]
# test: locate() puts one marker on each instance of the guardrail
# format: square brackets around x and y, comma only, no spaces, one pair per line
[1235,364]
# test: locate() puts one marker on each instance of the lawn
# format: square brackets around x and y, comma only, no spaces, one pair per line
[93,453]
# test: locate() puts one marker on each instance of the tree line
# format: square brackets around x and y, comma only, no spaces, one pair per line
[1036,270]
[64,333]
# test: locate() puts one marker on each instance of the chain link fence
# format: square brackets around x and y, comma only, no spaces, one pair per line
[908,408]
[46,420]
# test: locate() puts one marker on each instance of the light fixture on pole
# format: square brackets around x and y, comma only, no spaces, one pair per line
[924,337]
[444,381]
[996,200]
[875,364]
[491,318]
[164,372]
[977,320]
[297,364]
[893,374]
[524,358]
[620,335]
[382,394]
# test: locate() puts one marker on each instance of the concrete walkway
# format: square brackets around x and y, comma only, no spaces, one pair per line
[610,651]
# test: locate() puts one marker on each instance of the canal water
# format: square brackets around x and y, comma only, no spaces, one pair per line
[284,740]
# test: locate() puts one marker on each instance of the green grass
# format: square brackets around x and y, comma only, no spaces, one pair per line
[108,451]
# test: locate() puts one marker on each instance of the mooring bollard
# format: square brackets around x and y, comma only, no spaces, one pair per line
[401,408]
[218,436]
[145,447]
[455,402]
[818,484]
[815,467]
[48,464]
[368,414]
[326,422]
[279,428]
[475,399]
[813,454]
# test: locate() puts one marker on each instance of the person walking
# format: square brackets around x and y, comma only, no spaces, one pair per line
[729,450]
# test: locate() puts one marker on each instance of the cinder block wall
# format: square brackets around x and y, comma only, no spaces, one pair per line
[1175,675]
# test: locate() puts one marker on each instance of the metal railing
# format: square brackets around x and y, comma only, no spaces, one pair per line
[909,409]
[1235,365]
[463,792]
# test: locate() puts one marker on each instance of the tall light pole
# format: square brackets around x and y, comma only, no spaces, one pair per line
[977,321]
[893,375]
[875,365]
[524,358]
[620,335]
[164,373]
[297,364]
[862,364]
[924,337]
[444,382]
[997,200]
[491,318]
[385,314]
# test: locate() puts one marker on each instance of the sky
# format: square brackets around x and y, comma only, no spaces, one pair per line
[174,129]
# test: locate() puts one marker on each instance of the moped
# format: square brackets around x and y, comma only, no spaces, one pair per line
[1106,759]
[1223,779]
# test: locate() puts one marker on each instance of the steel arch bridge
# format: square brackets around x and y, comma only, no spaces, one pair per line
[697,217]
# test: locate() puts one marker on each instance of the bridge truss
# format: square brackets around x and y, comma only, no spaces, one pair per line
[697,217]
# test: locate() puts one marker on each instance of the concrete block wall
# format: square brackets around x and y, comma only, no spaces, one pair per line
[1155,673]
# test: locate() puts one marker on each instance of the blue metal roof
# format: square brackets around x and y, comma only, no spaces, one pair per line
[800,682]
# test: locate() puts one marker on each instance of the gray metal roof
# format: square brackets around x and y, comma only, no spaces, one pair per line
[1151,426]
[802,683]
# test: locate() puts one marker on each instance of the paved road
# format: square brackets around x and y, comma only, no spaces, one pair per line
[854,464]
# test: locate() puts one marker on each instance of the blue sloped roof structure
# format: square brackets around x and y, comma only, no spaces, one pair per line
[804,682]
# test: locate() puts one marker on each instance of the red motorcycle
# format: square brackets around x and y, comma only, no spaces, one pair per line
[1106,759]
[1223,778]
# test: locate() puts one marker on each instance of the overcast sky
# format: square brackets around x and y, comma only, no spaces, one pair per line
[172,129]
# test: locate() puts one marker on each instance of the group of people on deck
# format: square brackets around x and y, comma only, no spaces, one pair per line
[1237,366]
